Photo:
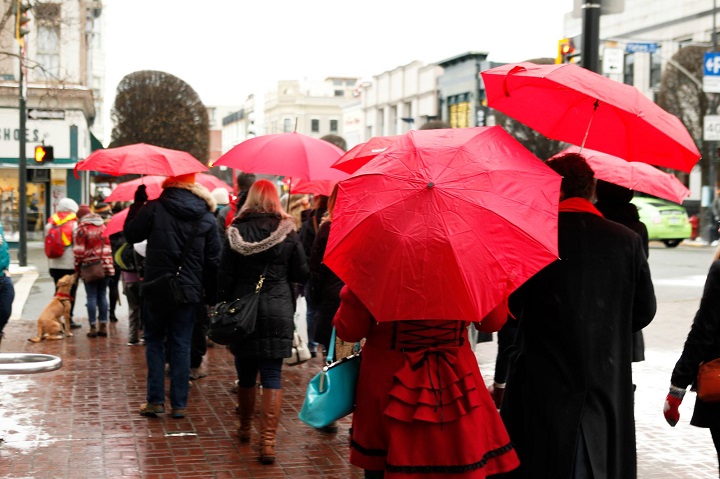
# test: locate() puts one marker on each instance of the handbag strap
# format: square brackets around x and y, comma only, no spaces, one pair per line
[188,244]
[331,348]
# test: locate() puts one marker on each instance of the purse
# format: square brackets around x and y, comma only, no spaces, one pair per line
[300,351]
[708,381]
[233,321]
[330,394]
[92,271]
[166,288]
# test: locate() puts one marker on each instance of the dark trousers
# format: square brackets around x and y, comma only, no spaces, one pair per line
[114,291]
[198,346]
[270,372]
[7,296]
[56,274]
[715,432]
[132,293]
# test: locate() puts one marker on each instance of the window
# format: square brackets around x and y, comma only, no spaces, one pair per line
[48,51]
[287,125]
[655,69]
[629,69]
[333,126]
[315,126]
[339,92]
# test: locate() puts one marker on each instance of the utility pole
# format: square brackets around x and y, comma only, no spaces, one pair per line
[22,168]
[590,59]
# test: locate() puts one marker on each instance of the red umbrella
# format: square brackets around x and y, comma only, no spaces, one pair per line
[445,224]
[572,104]
[633,175]
[364,152]
[313,187]
[117,222]
[126,191]
[140,159]
[285,154]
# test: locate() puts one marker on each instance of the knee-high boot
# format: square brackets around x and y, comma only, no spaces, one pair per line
[269,418]
[246,408]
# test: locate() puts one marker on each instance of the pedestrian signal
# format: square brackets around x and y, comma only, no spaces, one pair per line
[44,154]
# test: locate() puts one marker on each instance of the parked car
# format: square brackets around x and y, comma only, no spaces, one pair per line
[666,221]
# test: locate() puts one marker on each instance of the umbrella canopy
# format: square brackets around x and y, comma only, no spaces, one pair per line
[445,224]
[285,154]
[313,187]
[140,159]
[569,103]
[126,191]
[632,174]
[360,154]
[117,222]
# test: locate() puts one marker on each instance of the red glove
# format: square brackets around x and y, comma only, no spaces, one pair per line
[671,408]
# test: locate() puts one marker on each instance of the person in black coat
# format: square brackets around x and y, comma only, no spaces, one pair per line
[311,219]
[568,404]
[182,213]
[702,345]
[262,241]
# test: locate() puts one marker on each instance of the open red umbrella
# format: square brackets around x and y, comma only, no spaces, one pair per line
[313,187]
[632,174]
[117,222]
[140,159]
[126,191]
[569,103]
[285,154]
[444,224]
[360,154]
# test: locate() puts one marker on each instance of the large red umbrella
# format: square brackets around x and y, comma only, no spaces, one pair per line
[572,104]
[126,191]
[140,159]
[285,154]
[445,224]
[360,154]
[313,187]
[117,222]
[633,175]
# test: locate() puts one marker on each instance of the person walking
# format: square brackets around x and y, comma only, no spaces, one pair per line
[312,218]
[568,403]
[262,241]
[179,225]
[702,345]
[7,289]
[105,211]
[92,246]
[65,220]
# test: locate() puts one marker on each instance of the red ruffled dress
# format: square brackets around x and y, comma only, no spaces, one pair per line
[422,409]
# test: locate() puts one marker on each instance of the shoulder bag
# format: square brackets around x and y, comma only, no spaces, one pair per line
[330,394]
[167,288]
[233,321]
[708,381]
[92,271]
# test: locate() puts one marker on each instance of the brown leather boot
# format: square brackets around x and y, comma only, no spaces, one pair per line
[93,332]
[246,409]
[269,418]
[102,331]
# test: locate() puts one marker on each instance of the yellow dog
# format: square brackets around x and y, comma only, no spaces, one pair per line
[50,323]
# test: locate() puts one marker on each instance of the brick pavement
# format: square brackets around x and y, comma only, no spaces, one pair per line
[81,421]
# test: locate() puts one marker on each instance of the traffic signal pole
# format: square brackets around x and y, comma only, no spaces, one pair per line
[22,168]
[590,59]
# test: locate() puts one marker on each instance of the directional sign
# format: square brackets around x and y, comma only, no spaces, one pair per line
[711,72]
[612,61]
[37,114]
[711,128]
[641,47]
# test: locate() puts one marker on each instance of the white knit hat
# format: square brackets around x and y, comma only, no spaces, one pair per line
[67,204]
[221,196]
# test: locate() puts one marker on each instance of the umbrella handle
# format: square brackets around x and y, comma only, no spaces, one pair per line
[595,107]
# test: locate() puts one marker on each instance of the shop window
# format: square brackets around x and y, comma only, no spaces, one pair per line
[333,126]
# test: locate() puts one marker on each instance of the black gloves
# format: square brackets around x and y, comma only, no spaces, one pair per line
[141,195]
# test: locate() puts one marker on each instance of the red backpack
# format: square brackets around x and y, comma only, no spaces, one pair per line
[59,236]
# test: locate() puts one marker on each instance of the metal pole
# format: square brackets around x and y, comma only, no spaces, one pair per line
[590,59]
[22,168]
[712,222]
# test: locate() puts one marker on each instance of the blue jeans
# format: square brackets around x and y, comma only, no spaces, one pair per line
[175,324]
[96,293]
[7,296]
[270,372]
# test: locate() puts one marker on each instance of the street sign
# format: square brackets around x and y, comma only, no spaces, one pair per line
[612,62]
[711,128]
[711,72]
[641,47]
[38,114]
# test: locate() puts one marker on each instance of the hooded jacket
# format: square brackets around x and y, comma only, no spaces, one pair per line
[166,223]
[254,241]
[90,243]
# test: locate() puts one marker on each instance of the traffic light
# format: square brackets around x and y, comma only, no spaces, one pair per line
[20,10]
[565,49]
[44,154]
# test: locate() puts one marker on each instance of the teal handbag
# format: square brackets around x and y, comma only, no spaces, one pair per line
[331,393]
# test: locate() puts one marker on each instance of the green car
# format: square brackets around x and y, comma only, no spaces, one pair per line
[667,222]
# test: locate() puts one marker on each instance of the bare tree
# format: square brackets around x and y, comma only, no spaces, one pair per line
[540,145]
[160,109]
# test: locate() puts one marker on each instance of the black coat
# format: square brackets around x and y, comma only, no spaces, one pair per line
[702,345]
[573,369]
[325,287]
[167,223]
[254,241]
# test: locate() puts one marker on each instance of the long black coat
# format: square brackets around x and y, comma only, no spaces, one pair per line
[702,345]
[254,241]
[573,370]
[325,287]
[167,224]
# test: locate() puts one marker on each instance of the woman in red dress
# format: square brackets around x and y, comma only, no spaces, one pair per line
[422,409]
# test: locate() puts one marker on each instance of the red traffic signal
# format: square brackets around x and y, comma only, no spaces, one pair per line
[565,49]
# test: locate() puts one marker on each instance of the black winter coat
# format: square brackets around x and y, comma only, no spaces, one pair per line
[254,241]
[702,345]
[325,287]
[167,223]
[572,373]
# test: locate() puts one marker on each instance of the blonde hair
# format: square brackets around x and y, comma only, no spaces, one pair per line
[263,197]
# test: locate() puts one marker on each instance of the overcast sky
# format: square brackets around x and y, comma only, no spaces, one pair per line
[228,49]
